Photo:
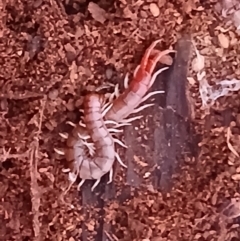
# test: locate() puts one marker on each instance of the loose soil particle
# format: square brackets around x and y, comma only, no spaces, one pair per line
[57,49]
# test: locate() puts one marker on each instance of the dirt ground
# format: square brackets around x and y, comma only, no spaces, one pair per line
[52,51]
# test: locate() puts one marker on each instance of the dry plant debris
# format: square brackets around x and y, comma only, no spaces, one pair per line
[58,49]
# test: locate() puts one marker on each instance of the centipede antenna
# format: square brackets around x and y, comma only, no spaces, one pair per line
[158,57]
[114,130]
[151,94]
[71,123]
[59,151]
[80,184]
[119,160]
[110,176]
[63,135]
[120,143]
[95,184]
[148,52]
[141,108]
[136,70]
[154,76]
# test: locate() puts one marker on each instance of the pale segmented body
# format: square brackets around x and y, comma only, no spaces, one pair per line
[93,159]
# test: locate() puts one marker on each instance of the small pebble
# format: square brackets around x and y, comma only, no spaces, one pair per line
[53,94]
[238,119]
[109,73]
[154,9]
[37,3]
[3,104]
[223,40]
[236,19]
[143,14]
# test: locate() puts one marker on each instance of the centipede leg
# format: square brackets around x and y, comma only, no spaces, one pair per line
[80,184]
[107,109]
[110,122]
[141,108]
[81,124]
[95,184]
[66,170]
[116,91]
[90,147]
[116,125]
[119,142]
[72,177]
[150,95]
[115,130]
[122,124]
[110,176]
[106,106]
[63,135]
[119,160]
[154,76]
[60,152]
[132,119]
[83,137]
[71,123]
[126,80]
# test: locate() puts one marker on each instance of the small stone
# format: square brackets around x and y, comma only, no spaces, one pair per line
[3,105]
[238,119]
[236,177]
[143,14]
[70,105]
[53,94]
[238,170]
[154,9]
[109,73]
[19,52]
[236,19]
[37,3]
[223,40]
[161,3]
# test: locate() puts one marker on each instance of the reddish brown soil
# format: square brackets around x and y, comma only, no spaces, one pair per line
[52,51]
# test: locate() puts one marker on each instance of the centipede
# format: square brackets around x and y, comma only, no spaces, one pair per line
[90,147]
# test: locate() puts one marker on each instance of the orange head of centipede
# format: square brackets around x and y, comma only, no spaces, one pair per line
[151,57]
